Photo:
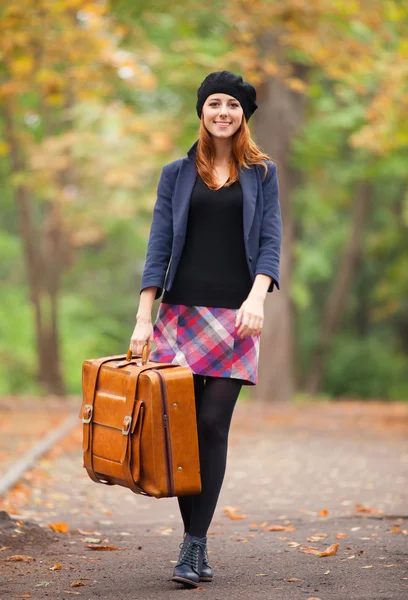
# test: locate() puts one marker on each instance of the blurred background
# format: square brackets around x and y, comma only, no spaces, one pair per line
[97,96]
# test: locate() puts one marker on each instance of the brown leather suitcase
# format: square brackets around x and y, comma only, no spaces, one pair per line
[139,425]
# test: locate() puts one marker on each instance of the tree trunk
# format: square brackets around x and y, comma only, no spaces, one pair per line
[284,116]
[342,283]
[48,371]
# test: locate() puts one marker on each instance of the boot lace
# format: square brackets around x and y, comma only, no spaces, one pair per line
[191,553]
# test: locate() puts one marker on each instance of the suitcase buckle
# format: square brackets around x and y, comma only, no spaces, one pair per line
[88,410]
[126,425]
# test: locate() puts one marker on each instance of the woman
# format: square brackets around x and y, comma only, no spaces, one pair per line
[217,216]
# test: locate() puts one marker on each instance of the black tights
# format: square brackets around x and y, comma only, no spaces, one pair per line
[215,399]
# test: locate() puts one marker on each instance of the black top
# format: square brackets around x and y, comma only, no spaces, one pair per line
[212,270]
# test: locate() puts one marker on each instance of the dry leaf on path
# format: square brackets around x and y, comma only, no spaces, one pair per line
[88,532]
[323,513]
[19,558]
[102,547]
[340,535]
[60,527]
[231,514]
[77,583]
[280,528]
[330,551]
[360,508]
[294,579]
[56,567]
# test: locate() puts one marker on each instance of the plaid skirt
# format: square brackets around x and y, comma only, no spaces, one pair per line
[204,338]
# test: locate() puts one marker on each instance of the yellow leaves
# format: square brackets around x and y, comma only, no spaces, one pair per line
[296,84]
[323,513]
[4,148]
[56,567]
[60,527]
[22,65]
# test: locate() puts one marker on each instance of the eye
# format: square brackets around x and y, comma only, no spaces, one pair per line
[233,104]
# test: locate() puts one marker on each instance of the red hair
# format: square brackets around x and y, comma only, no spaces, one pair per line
[244,153]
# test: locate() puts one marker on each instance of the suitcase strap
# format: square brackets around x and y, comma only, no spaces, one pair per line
[130,424]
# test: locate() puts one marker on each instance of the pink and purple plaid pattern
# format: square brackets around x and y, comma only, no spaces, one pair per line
[204,339]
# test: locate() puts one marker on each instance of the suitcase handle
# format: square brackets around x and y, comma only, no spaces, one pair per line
[129,354]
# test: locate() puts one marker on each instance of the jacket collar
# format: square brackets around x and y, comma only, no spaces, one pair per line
[192,151]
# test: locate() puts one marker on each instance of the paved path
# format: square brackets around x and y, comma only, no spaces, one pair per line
[336,472]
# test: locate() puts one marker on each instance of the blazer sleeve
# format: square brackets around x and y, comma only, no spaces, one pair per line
[270,241]
[161,236]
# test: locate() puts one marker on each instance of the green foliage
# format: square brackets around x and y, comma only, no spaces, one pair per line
[367,368]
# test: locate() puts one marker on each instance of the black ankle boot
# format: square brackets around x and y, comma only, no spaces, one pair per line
[189,566]
[206,573]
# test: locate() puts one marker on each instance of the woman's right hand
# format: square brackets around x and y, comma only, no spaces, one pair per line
[142,333]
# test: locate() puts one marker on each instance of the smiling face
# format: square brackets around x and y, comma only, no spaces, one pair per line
[222,115]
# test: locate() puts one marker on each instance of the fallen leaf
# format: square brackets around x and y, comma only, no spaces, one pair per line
[260,575]
[367,509]
[340,535]
[316,538]
[294,579]
[56,567]
[280,528]
[4,548]
[43,584]
[231,514]
[87,532]
[90,540]
[367,567]
[308,549]
[323,513]
[19,558]
[101,547]
[326,572]
[76,583]
[330,551]
[60,527]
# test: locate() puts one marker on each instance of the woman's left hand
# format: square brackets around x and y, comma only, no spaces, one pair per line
[250,317]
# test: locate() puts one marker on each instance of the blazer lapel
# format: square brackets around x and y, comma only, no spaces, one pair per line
[184,187]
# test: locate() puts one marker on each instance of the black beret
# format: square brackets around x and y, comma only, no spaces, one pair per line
[227,83]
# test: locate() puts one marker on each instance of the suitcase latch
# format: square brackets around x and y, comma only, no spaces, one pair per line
[127,421]
[87,413]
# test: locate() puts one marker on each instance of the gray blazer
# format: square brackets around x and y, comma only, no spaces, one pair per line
[262,224]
